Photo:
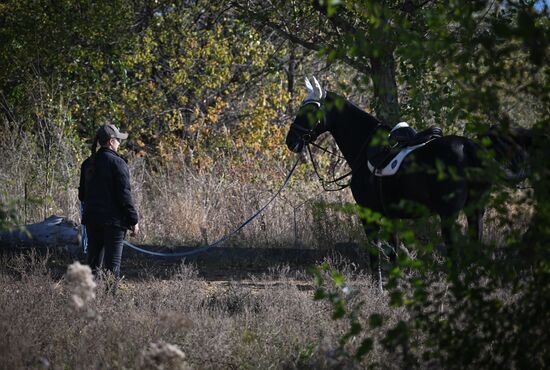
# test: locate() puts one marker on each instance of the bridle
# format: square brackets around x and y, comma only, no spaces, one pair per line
[308,137]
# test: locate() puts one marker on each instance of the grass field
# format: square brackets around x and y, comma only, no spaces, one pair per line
[241,313]
[264,320]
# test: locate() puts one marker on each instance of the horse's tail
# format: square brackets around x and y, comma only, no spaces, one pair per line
[510,150]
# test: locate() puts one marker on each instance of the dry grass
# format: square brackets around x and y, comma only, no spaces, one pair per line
[267,321]
[180,207]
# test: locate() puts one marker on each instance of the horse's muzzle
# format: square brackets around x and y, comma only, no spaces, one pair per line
[295,141]
[297,147]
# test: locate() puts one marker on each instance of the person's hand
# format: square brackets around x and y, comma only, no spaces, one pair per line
[134,230]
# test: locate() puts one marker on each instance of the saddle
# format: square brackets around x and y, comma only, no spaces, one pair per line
[402,139]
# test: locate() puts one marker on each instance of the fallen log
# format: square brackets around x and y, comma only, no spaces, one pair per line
[55,232]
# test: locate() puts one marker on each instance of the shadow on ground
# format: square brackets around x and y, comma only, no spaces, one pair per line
[231,263]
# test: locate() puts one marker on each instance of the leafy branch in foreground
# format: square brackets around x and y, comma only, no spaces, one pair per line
[484,307]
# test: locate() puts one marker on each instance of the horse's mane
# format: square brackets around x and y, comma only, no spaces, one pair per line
[353,109]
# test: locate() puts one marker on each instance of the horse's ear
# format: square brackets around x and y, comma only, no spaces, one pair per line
[319,94]
[309,87]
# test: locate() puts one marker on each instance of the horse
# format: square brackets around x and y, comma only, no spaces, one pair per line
[445,175]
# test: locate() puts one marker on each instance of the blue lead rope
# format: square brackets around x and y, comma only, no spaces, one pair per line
[223,239]
[83,233]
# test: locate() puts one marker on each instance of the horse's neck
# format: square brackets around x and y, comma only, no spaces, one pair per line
[352,129]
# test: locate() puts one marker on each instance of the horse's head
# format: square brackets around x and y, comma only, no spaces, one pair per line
[310,120]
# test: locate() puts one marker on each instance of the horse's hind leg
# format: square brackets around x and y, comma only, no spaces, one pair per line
[452,198]
[474,211]
[394,247]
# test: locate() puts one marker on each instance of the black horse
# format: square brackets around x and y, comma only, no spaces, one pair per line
[444,176]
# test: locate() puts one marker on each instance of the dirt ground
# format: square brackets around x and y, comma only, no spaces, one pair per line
[252,268]
[221,267]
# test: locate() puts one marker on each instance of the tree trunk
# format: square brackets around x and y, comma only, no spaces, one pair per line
[385,102]
[54,232]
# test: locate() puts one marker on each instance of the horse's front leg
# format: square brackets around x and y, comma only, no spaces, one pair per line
[449,233]
[375,246]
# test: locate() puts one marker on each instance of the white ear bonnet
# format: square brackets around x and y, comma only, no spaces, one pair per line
[314,92]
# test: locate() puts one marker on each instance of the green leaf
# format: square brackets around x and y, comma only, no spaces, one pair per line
[366,346]
[375,320]
[338,278]
[396,299]
[319,294]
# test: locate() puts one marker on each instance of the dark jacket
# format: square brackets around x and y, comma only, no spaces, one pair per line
[105,191]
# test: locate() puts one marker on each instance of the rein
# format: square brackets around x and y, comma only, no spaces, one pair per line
[324,183]
[327,151]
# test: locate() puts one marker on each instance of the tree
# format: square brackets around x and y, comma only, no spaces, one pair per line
[405,48]
[361,34]
[470,65]
[169,73]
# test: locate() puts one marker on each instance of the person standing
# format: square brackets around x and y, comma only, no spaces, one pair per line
[108,206]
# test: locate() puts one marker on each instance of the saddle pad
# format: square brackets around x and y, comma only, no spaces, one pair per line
[395,163]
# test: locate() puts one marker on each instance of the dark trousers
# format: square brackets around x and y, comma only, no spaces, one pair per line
[105,247]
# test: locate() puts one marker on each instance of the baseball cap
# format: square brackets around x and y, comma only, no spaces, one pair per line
[110,131]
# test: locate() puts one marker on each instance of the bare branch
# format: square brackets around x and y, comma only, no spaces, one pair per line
[283,30]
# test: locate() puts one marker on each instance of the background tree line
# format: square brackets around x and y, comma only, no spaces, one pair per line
[217,83]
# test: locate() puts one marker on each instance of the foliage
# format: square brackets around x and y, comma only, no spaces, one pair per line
[182,76]
[471,64]
[6,217]
[338,296]
[200,83]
